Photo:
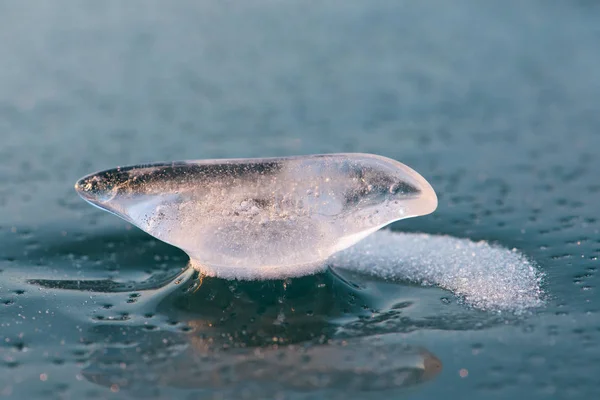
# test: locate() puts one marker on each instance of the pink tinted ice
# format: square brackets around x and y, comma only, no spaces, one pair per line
[266,217]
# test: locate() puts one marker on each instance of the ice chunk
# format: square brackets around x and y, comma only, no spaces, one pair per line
[262,218]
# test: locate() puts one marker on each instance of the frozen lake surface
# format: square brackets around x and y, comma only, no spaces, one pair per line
[494,103]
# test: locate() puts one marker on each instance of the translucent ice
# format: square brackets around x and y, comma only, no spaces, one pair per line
[262,218]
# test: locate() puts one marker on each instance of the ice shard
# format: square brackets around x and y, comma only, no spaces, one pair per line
[262,217]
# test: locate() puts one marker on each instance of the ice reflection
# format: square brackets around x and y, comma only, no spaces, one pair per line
[256,339]
[164,362]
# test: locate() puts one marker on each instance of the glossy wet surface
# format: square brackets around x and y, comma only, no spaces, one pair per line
[493,104]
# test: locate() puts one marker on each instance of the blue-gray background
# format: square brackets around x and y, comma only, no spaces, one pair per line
[495,102]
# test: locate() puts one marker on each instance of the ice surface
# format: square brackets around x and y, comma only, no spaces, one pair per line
[485,276]
[262,218]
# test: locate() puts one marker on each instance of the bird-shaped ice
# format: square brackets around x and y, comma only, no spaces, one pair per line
[263,217]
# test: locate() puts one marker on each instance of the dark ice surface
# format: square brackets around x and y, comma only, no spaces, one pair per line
[496,103]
